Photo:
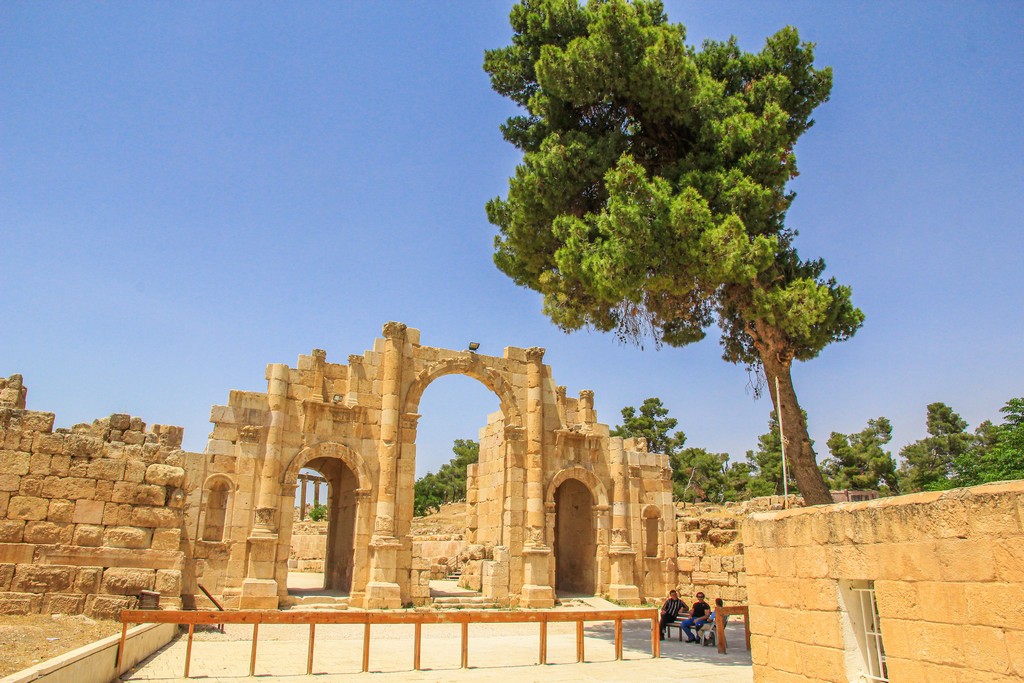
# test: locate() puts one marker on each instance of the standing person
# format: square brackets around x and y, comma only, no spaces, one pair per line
[698,615]
[670,610]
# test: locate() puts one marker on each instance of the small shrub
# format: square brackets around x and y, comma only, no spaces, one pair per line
[318,513]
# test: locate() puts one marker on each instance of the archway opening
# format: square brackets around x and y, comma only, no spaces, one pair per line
[575,539]
[455,441]
[323,543]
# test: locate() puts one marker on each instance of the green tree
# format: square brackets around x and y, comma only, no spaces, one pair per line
[998,450]
[651,199]
[766,464]
[449,484]
[318,513]
[928,463]
[860,461]
[654,424]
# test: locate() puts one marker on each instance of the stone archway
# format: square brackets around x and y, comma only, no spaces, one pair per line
[575,539]
[348,510]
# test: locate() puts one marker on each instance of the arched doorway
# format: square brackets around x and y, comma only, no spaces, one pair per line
[339,554]
[575,539]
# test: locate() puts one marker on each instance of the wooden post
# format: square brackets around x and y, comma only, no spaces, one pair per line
[417,635]
[579,639]
[252,658]
[366,647]
[120,649]
[544,642]
[188,648]
[655,637]
[465,644]
[618,639]
[720,633]
[309,657]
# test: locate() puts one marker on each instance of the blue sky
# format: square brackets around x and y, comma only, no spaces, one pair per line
[189,191]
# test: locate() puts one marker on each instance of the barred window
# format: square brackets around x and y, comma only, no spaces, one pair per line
[863,632]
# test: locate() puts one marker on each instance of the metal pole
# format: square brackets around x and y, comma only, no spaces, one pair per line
[782,442]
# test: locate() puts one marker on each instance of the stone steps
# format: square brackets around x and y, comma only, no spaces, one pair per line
[314,602]
[464,601]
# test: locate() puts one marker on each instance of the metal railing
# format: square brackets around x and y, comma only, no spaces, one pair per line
[417,619]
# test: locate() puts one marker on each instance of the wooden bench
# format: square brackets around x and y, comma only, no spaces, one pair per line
[722,615]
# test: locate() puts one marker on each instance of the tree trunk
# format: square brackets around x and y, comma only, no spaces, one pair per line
[799,453]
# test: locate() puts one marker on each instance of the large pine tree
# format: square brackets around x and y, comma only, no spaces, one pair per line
[651,199]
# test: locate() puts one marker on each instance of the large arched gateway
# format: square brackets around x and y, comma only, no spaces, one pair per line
[548,473]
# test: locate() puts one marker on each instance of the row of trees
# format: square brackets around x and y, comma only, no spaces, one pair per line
[948,457]
[449,484]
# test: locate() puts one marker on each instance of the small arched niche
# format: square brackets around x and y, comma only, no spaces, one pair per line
[218,501]
[652,530]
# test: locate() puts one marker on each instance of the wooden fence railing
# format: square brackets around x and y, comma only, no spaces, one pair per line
[417,619]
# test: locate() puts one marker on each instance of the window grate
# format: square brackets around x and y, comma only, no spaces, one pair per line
[874,652]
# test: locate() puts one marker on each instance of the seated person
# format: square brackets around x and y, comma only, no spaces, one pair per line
[670,610]
[711,619]
[698,615]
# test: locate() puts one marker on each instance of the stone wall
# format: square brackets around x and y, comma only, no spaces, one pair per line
[711,553]
[948,574]
[89,516]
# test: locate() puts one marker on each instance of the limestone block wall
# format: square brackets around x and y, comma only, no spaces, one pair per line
[948,574]
[711,553]
[89,516]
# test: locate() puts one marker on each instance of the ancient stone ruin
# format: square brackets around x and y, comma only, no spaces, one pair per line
[93,515]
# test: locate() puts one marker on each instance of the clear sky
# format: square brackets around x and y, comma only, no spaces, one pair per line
[192,190]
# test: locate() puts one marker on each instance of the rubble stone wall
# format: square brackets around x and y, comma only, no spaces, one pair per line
[947,570]
[89,516]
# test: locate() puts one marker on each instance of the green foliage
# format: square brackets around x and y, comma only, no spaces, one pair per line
[654,425]
[449,484]
[766,464]
[318,513]
[998,451]
[651,198]
[928,463]
[860,462]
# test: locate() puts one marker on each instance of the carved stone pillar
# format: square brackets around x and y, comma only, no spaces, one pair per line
[537,589]
[621,556]
[383,590]
[319,361]
[259,589]
[355,373]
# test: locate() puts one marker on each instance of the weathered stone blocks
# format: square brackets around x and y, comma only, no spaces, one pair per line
[124,581]
[127,537]
[28,508]
[41,579]
[165,475]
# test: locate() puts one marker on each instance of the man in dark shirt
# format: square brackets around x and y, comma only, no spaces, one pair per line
[670,610]
[698,616]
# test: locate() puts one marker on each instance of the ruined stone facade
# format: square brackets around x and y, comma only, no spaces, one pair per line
[89,516]
[558,502]
[92,515]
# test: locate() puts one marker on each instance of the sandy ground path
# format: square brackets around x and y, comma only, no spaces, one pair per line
[497,652]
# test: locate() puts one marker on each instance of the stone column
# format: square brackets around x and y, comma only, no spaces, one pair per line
[383,590]
[259,590]
[621,556]
[537,589]
[355,371]
[319,361]
[302,501]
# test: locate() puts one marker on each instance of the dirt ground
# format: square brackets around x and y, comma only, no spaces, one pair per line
[29,640]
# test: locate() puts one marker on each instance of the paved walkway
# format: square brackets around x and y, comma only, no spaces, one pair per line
[497,652]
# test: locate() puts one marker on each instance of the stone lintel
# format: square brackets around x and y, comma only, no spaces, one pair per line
[111,557]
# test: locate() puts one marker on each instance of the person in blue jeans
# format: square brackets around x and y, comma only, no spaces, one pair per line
[698,615]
